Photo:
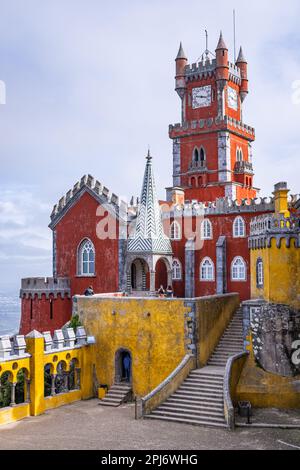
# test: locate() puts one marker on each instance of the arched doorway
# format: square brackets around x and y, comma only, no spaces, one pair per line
[123,366]
[161,277]
[139,275]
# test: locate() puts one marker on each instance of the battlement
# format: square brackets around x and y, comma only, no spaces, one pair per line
[265,228]
[45,286]
[94,187]
[273,224]
[218,124]
[221,206]
[206,69]
[15,347]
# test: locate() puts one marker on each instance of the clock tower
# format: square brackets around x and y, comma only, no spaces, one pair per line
[212,147]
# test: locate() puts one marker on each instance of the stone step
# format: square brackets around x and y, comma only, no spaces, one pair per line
[193,407]
[194,422]
[190,412]
[216,376]
[199,394]
[203,386]
[214,419]
[206,403]
[199,382]
[202,400]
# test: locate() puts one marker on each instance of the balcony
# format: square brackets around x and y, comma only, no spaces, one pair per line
[199,167]
[243,167]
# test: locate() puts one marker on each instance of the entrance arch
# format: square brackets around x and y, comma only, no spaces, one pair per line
[161,277]
[139,275]
[123,373]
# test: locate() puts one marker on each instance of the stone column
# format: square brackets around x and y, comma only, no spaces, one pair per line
[27,397]
[77,378]
[190,269]
[170,278]
[53,377]
[152,282]
[221,265]
[66,388]
[13,394]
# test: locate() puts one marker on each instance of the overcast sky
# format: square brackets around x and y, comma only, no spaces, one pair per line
[90,84]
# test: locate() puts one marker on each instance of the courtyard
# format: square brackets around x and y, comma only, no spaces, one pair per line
[85,425]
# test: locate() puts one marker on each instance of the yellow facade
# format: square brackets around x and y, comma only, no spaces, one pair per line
[152,330]
[281,273]
[34,368]
[274,240]
[157,332]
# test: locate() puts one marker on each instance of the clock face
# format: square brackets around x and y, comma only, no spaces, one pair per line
[201,97]
[232,98]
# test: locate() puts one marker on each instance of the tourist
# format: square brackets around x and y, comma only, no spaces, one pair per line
[169,292]
[161,291]
[126,364]
[89,291]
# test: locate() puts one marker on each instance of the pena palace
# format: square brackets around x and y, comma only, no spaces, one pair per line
[196,241]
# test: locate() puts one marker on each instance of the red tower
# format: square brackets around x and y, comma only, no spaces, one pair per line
[212,155]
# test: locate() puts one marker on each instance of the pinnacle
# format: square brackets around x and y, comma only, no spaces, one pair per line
[181,53]
[221,43]
[241,57]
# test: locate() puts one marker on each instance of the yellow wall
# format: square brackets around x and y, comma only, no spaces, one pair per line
[153,330]
[34,366]
[213,316]
[265,390]
[281,274]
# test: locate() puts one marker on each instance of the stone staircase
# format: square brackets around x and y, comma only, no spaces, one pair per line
[231,342]
[200,399]
[119,393]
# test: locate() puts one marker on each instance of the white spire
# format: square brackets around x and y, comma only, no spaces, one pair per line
[149,235]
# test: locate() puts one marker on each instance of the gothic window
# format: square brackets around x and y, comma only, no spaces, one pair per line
[239,155]
[239,228]
[202,156]
[207,270]
[196,155]
[238,269]
[86,258]
[176,270]
[206,230]
[260,273]
[175,231]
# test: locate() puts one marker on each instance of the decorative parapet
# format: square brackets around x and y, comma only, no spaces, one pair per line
[243,167]
[45,286]
[266,227]
[64,339]
[220,206]
[206,69]
[97,190]
[13,348]
[217,123]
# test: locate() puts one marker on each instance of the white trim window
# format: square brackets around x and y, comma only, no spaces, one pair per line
[207,270]
[239,155]
[175,231]
[260,273]
[206,230]
[238,269]
[86,258]
[176,270]
[239,228]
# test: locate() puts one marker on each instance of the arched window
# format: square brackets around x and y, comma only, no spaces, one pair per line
[260,273]
[86,259]
[238,269]
[239,228]
[206,230]
[175,231]
[239,155]
[196,155]
[202,156]
[207,270]
[176,270]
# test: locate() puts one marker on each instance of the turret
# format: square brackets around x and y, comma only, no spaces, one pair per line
[222,67]
[181,62]
[243,66]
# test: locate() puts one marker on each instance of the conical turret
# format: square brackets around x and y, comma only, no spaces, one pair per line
[243,66]
[222,67]
[181,62]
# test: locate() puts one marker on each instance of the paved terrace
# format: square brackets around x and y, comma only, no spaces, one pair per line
[85,425]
